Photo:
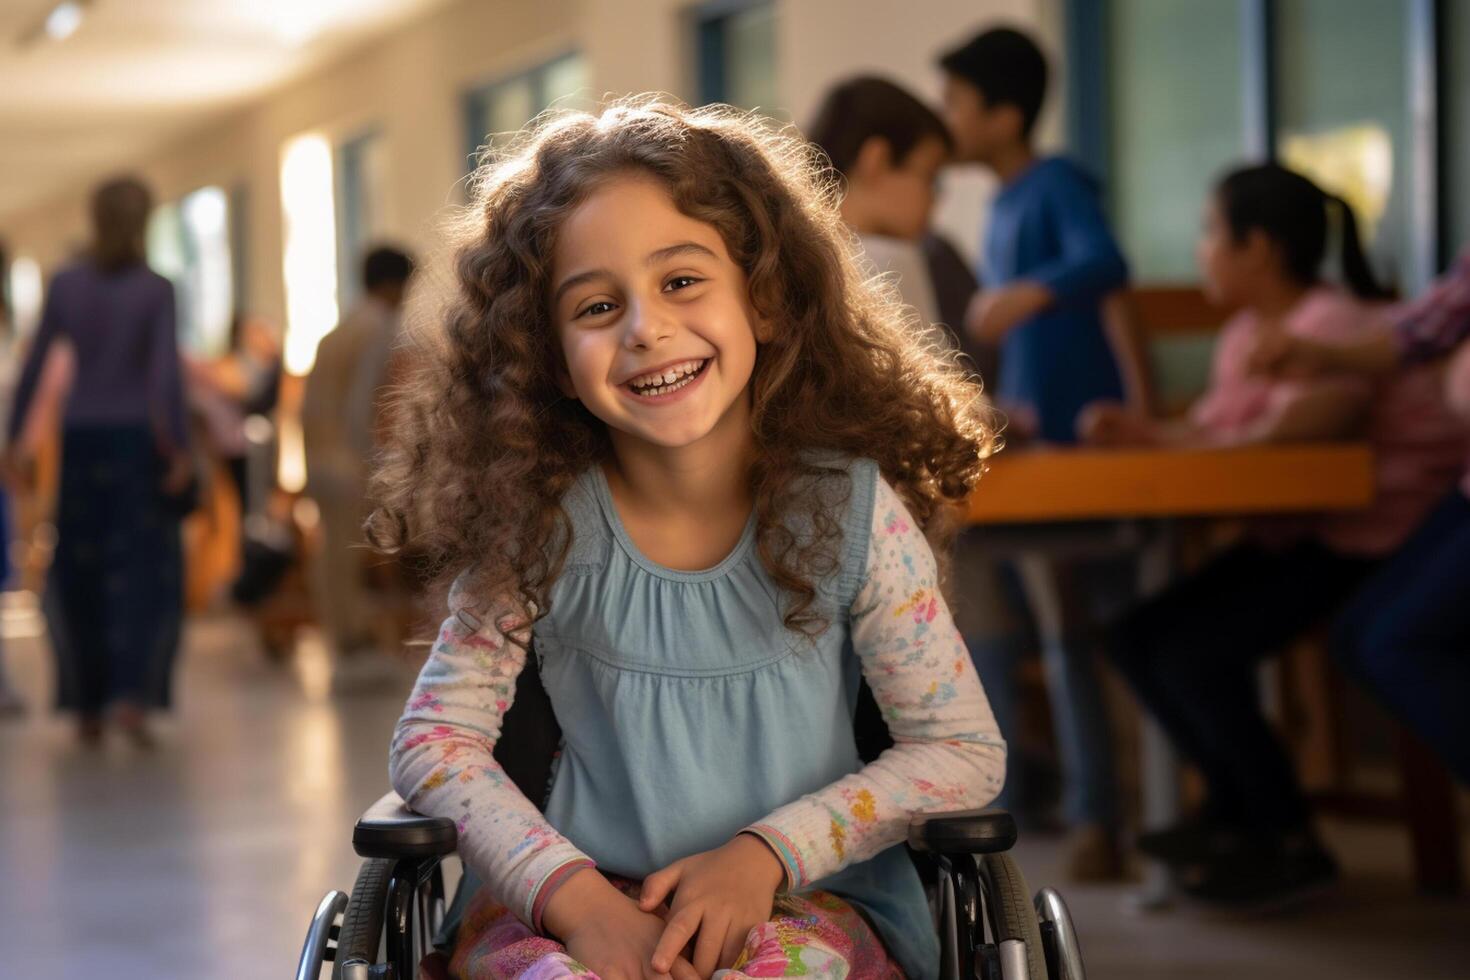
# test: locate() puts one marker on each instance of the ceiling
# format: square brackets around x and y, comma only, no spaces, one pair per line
[139,73]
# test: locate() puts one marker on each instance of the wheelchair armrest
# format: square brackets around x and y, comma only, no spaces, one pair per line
[963,832]
[389,829]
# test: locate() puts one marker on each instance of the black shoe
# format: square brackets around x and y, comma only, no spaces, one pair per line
[1267,879]
[1195,839]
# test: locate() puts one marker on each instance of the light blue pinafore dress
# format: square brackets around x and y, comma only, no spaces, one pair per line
[688,710]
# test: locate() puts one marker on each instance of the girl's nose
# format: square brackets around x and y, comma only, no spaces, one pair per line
[647,326]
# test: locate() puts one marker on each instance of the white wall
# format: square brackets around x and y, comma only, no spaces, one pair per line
[409,86]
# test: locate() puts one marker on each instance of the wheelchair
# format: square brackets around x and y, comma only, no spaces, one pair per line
[990,928]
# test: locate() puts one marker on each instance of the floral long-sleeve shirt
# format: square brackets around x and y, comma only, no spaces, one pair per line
[1439,321]
[948,753]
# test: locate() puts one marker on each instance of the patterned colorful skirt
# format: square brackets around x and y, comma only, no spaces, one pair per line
[813,934]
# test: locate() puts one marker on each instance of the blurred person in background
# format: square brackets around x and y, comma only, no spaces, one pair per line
[227,390]
[11,703]
[1406,633]
[339,422]
[125,470]
[1050,264]
[1049,259]
[888,147]
[1191,653]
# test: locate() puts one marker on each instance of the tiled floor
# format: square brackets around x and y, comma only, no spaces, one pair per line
[206,856]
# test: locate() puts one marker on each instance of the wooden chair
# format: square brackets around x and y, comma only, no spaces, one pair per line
[1176,326]
[1316,696]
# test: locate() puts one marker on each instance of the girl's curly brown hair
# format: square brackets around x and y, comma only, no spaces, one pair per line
[483,444]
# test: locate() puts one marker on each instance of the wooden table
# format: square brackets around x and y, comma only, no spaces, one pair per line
[1047,485]
[1055,486]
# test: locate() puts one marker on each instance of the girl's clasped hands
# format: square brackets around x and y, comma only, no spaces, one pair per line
[690,919]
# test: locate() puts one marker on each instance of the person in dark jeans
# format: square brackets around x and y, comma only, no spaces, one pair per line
[1406,633]
[1191,656]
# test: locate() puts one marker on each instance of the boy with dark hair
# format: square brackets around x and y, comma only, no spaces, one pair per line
[1048,258]
[1049,264]
[888,148]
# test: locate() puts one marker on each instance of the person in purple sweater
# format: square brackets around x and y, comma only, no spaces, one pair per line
[116,565]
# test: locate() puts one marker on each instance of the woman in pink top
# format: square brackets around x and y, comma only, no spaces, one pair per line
[1191,653]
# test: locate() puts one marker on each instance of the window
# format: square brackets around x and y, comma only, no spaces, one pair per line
[1342,112]
[505,105]
[1175,122]
[735,44]
[189,243]
[359,185]
[26,295]
[309,258]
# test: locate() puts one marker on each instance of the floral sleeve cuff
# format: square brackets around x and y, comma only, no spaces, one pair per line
[540,896]
[784,850]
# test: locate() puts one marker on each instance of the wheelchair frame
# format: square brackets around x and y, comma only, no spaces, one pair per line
[988,926]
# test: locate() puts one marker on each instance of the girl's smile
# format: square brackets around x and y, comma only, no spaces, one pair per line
[667,384]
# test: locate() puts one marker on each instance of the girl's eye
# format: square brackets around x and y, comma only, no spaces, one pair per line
[596,309]
[680,282]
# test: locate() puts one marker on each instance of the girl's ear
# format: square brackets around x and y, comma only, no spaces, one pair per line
[563,377]
[761,327]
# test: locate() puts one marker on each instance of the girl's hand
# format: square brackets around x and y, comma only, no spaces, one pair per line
[607,932]
[719,896]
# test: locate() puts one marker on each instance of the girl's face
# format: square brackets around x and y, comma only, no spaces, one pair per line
[1228,267]
[654,317]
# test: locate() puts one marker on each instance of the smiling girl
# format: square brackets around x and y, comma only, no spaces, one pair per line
[668,433]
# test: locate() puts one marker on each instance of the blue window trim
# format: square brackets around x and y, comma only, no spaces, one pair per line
[1085,33]
[1448,195]
[1259,78]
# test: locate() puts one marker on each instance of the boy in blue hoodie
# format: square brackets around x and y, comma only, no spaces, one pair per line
[1048,259]
[1049,264]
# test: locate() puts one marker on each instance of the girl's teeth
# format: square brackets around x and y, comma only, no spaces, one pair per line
[677,374]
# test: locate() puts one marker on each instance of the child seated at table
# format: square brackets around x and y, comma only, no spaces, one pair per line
[1191,653]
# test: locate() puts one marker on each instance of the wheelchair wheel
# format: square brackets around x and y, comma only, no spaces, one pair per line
[361,935]
[1009,910]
